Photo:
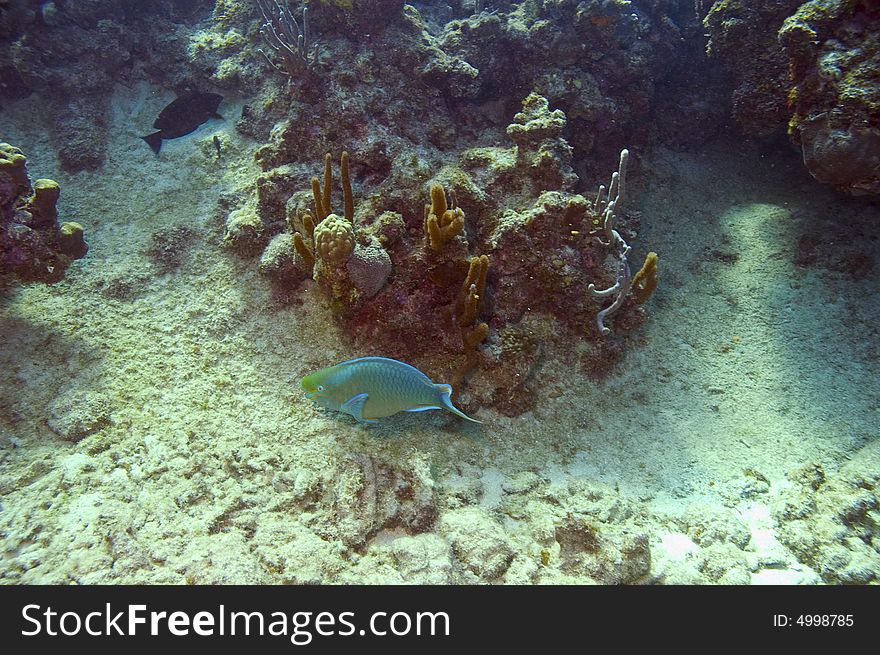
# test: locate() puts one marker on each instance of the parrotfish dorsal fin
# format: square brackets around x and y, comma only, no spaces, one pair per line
[390,362]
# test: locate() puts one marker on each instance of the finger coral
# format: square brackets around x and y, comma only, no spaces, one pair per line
[442,222]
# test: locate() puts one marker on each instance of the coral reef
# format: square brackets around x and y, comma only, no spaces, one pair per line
[442,222]
[504,263]
[33,246]
[811,67]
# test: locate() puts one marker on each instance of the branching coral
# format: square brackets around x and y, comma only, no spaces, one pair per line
[283,35]
[605,206]
[350,265]
[442,222]
[334,242]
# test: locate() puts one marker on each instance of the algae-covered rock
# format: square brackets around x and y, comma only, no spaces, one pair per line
[813,67]
[75,416]
[478,541]
[281,261]
[709,524]
[71,240]
[831,521]
[602,552]
[423,559]
[245,231]
[370,494]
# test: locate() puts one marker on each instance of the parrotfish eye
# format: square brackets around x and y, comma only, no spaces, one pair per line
[320,387]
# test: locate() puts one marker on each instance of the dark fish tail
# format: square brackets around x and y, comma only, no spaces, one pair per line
[154,140]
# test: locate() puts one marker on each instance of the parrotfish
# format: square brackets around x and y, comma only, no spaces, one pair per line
[182,116]
[372,387]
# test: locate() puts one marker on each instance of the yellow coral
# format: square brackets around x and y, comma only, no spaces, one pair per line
[334,240]
[12,163]
[468,304]
[42,203]
[441,221]
[645,281]
[303,250]
[321,196]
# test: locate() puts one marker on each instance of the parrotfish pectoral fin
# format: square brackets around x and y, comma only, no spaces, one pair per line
[355,407]
[445,393]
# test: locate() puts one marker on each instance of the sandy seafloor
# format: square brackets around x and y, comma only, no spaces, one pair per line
[736,442]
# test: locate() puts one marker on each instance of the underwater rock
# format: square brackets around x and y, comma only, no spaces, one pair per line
[245,231]
[371,495]
[33,246]
[461,489]
[479,542]
[75,416]
[812,66]
[80,133]
[294,554]
[281,261]
[537,133]
[744,36]
[423,559]
[71,240]
[831,522]
[606,554]
[846,158]
[73,53]
[709,524]
[723,563]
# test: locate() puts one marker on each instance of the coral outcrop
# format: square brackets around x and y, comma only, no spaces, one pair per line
[503,263]
[813,67]
[33,246]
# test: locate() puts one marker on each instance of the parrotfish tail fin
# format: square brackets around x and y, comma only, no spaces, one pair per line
[445,393]
[154,140]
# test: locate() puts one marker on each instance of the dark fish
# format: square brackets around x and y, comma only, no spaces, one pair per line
[217,145]
[182,116]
